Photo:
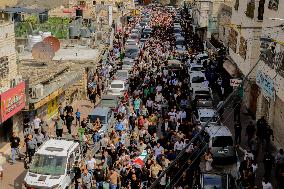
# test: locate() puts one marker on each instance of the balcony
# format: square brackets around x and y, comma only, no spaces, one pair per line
[250,9]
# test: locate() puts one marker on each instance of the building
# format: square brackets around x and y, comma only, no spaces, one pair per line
[60,81]
[270,71]
[244,46]
[224,17]
[12,87]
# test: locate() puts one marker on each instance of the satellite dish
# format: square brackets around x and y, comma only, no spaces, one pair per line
[53,42]
[42,52]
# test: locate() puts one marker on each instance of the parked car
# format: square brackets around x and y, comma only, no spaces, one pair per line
[131,42]
[106,116]
[180,44]
[203,96]
[122,75]
[195,68]
[132,51]
[110,101]
[205,114]
[221,144]
[197,80]
[117,87]
[146,32]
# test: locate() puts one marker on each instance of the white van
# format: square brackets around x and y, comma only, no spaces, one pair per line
[52,164]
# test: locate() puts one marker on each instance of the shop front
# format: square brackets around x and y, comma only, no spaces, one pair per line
[12,102]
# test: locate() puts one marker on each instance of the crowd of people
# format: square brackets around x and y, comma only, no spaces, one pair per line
[154,123]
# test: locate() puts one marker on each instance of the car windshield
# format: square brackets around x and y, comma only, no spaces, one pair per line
[205,119]
[116,86]
[177,30]
[222,141]
[203,97]
[131,51]
[197,69]
[48,164]
[121,74]
[197,79]
[109,102]
[212,181]
[94,118]
[180,43]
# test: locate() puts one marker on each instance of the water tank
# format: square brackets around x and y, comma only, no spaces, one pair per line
[79,13]
[33,40]
[85,32]
[73,32]
[43,17]
[45,35]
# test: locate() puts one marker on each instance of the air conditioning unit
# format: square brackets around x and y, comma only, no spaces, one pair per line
[37,91]
[20,48]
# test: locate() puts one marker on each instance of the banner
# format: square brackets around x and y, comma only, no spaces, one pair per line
[52,107]
[12,101]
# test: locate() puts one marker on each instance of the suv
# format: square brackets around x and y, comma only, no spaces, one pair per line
[205,114]
[203,96]
[106,117]
[197,79]
[52,164]
[221,144]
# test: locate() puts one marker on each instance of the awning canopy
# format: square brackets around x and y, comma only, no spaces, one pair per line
[232,69]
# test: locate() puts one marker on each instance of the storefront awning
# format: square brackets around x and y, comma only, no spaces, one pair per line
[232,69]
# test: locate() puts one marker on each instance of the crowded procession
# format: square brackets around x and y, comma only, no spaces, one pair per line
[163,114]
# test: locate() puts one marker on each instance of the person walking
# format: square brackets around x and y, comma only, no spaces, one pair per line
[268,162]
[2,162]
[86,179]
[209,160]
[69,119]
[113,179]
[15,143]
[59,126]
[78,117]
[36,123]
[31,147]
[250,131]
[238,132]
[237,112]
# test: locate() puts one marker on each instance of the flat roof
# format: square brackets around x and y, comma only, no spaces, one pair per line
[23,10]
[57,147]
[76,53]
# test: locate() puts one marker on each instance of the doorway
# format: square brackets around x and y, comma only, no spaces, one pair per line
[253,99]
[6,130]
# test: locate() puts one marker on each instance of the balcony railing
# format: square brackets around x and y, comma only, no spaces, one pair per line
[250,9]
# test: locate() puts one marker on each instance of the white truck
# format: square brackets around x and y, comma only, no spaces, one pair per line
[52,164]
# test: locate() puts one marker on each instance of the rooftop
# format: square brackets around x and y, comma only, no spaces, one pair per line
[58,147]
[76,53]
[23,10]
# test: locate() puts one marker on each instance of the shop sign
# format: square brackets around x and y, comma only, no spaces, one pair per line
[12,101]
[266,84]
[235,82]
[52,107]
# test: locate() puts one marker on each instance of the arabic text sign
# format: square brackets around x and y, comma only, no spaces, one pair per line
[266,84]
[235,82]
[12,101]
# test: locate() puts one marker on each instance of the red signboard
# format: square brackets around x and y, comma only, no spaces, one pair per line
[12,101]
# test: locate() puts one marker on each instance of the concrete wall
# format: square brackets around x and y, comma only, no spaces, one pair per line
[7,48]
[4,3]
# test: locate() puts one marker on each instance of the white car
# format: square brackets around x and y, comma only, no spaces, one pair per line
[122,75]
[117,87]
[53,163]
[205,114]
[197,79]
[131,42]
[195,68]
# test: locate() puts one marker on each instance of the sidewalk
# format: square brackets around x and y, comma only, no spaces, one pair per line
[245,119]
[14,174]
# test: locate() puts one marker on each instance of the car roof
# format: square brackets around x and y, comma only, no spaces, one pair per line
[117,81]
[218,131]
[109,97]
[131,47]
[206,112]
[100,111]
[200,88]
[196,65]
[57,147]
[123,70]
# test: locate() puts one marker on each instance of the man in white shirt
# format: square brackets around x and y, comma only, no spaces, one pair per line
[36,123]
[182,116]
[91,164]
[172,115]
[179,145]
[159,88]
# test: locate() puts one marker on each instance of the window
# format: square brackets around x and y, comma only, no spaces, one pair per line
[222,141]
[260,9]
[117,86]
[237,3]
[273,4]
[243,48]
[233,40]
[250,9]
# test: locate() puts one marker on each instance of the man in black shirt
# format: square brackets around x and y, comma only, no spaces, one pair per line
[99,176]
[15,143]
